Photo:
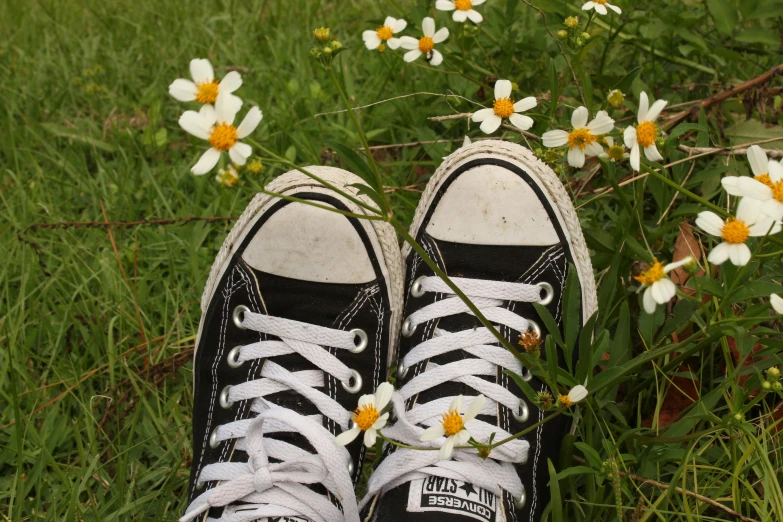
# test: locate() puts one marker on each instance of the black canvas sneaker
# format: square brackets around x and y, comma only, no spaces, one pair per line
[502,226]
[300,314]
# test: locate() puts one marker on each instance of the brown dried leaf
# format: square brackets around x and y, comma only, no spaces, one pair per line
[685,245]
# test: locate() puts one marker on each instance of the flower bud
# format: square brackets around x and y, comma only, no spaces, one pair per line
[322,34]
[572,22]
[776,386]
[766,385]
[585,36]
[336,44]
[615,98]
[773,372]
[562,34]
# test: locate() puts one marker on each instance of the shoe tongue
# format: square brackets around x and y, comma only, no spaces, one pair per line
[436,499]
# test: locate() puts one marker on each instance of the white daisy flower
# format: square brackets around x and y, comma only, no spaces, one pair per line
[600,7]
[452,426]
[463,9]
[505,108]
[576,394]
[766,186]
[426,44]
[735,231]
[658,289]
[583,140]
[646,132]
[227,177]
[367,418]
[384,35]
[777,303]
[614,152]
[204,88]
[216,125]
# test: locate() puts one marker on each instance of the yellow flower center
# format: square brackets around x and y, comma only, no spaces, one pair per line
[615,152]
[735,231]
[566,401]
[765,179]
[227,178]
[504,107]
[463,5]
[580,138]
[426,44]
[529,340]
[223,137]
[646,133]
[207,92]
[777,191]
[651,275]
[365,416]
[384,33]
[602,2]
[452,423]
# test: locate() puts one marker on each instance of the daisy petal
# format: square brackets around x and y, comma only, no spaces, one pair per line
[475,408]
[576,158]
[677,264]
[753,189]
[748,211]
[393,43]
[445,5]
[777,303]
[739,254]
[370,436]
[436,59]
[765,226]
[201,71]
[579,118]
[207,162]
[475,16]
[183,90]
[409,42]
[428,27]
[758,160]
[731,185]
[644,106]
[719,254]
[648,302]
[194,123]
[447,449]
[652,153]
[615,8]
[230,82]
[411,55]
[601,124]
[554,138]
[775,171]
[432,433]
[656,109]
[347,437]
[371,41]
[710,223]
[502,89]
[249,124]
[635,157]
[441,35]
[521,121]
[240,152]
[399,26]
[773,208]
[629,137]
[383,395]
[482,114]
[491,123]
[525,104]
[459,16]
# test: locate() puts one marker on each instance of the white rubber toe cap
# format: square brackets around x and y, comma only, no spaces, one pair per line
[489,205]
[310,244]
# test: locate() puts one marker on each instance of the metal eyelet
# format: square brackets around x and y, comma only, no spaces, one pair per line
[402,370]
[357,382]
[549,293]
[362,338]
[200,485]
[351,467]
[527,375]
[213,439]
[535,327]
[407,328]
[233,357]
[416,289]
[520,502]
[523,414]
[238,314]
[224,402]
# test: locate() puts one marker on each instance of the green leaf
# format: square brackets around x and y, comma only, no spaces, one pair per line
[575,470]
[683,311]
[356,164]
[549,323]
[528,390]
[554,489]
[590,453]
[724,14]
[77,136]
[620,352]
[682,128]
[572,317]
[757,35]
[551,359]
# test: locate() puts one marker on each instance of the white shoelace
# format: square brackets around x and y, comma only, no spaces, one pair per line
[497,472]
[280,489]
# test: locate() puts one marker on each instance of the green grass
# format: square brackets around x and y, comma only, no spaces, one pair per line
[97,324]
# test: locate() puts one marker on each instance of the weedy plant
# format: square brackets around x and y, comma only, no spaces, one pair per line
[653,116]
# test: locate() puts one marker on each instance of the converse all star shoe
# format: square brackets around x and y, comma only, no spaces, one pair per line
[502,227]
[300,315]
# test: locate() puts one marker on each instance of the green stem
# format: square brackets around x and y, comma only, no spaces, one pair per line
[363,138]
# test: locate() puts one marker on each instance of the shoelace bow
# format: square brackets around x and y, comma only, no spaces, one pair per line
[280,489]
[496,473]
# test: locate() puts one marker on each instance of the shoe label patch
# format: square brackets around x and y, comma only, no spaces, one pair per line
[454,496]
